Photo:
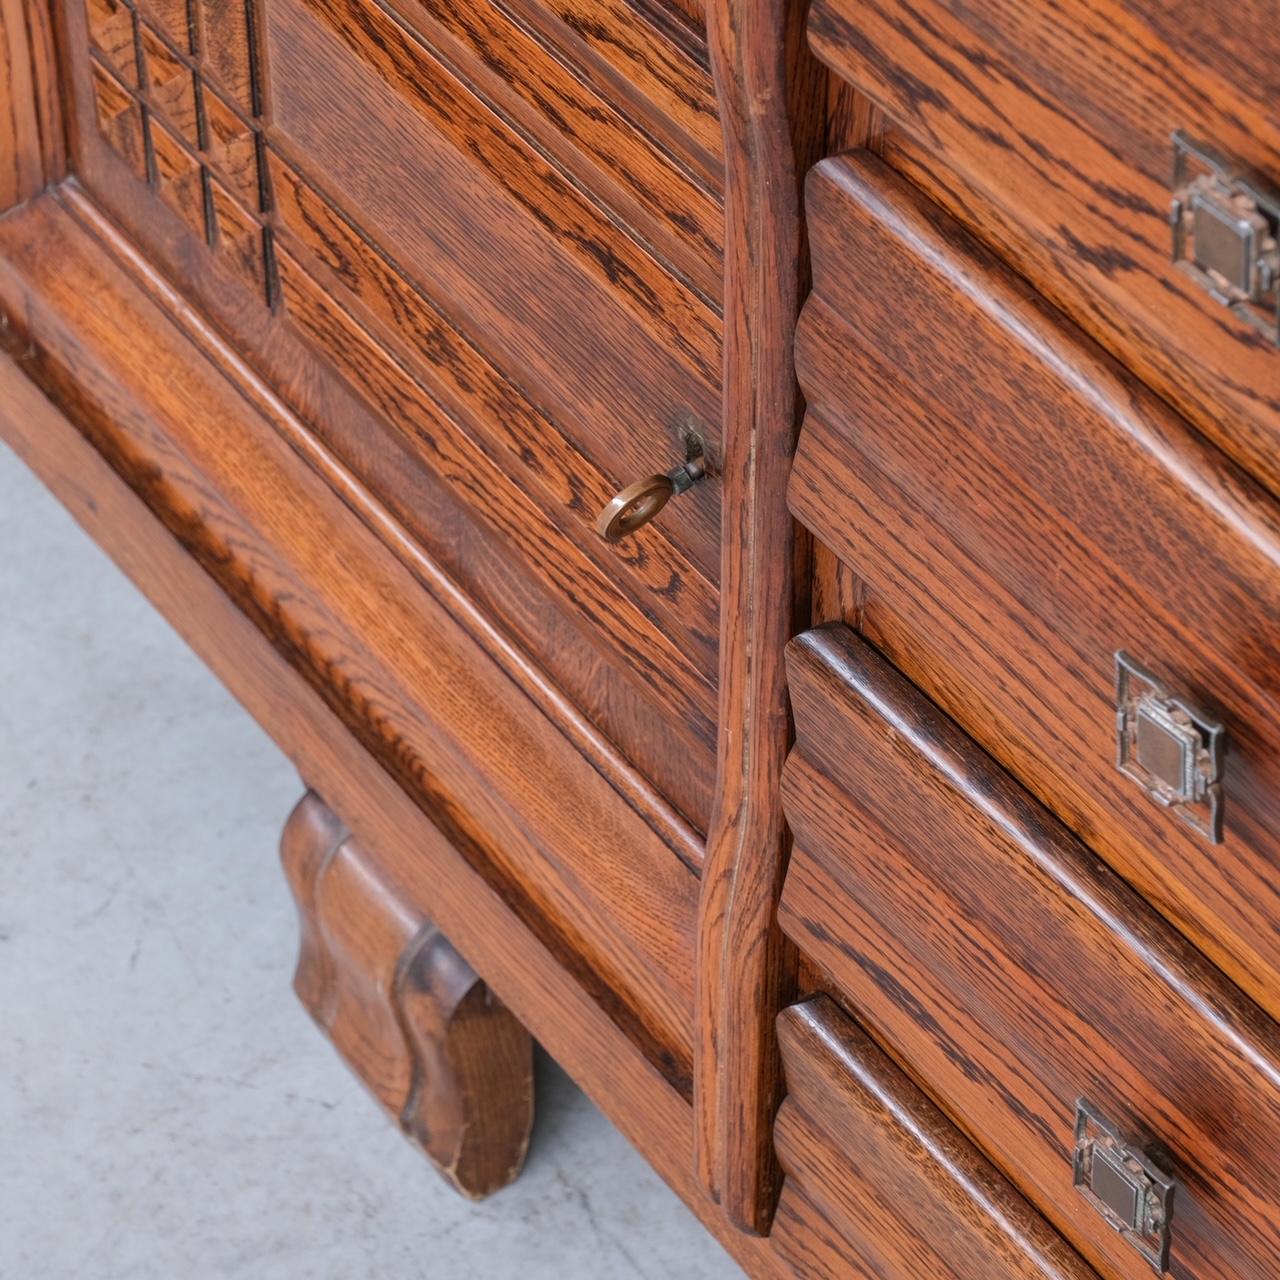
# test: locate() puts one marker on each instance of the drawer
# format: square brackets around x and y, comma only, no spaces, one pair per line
[1022,510]
[1015,975]
[1061,117]
[907,1195]
[443,265]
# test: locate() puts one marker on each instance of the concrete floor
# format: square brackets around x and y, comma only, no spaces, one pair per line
[166,1108]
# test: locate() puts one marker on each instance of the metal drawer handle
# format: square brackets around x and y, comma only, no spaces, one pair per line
[635,506]
[1172,750]
[1119,1179]
[1226,232]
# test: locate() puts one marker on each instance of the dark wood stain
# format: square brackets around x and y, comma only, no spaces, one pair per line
[1021,508]
[1049,126]
[983,943]
[863,1144]
[338,321]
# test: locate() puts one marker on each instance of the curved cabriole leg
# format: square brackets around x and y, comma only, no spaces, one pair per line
[405,1010]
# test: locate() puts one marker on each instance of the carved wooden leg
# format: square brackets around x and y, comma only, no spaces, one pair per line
[407,1013]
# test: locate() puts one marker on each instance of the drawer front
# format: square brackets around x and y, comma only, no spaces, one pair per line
[1062,117]
[908,1195]
[991,952]
[1021,510]
[438,267]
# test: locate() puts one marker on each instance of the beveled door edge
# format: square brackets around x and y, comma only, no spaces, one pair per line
[772,99]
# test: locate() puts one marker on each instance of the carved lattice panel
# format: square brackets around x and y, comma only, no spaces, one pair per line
[179,96]
[120,120]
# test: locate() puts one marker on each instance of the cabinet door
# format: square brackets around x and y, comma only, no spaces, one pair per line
[495,299]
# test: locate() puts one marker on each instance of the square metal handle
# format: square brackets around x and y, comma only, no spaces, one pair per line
[1122,1183]
[1175,752]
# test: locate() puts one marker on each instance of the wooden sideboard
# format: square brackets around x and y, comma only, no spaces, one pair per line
[757,523]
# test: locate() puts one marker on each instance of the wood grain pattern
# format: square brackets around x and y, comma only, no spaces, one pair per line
[616,163]
[30,116]
[630,653]
[421,417]
[21,153]
[689,8]
[476,199]
[771,103]
[676,560]
[539,451]
[655,71]
[177,98]
[410,684]
[909,1195]
[809,1245]
[407,1013]
[566,1016]
[986,946]
[497,287]
[838,594]
[1021,509]
[1062,116]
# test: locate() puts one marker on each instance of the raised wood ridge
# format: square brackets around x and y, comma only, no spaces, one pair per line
[1047,128]
[32,152]
[449,388]
[771,107]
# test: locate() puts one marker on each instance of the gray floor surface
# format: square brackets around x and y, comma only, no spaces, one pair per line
[166,1108]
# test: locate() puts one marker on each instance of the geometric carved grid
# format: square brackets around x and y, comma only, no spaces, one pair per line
[180,97]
